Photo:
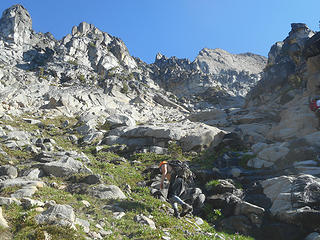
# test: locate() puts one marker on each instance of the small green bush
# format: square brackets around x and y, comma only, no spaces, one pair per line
[73,62]
[211,184]
[124,88]
[81,78]
[174,149]
[92,44]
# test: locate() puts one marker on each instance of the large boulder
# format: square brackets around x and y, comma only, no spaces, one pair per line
[294,199]
[65,167]
[8,170]
[62,215]
[268,155]
[107,192]
[120,120]
[296,154]
[191,136]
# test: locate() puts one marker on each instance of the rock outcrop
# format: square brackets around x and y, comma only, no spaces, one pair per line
[215,76]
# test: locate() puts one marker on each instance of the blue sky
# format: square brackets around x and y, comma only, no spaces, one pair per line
[177,27]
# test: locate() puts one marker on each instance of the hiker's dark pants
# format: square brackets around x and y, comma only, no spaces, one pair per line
[176,189]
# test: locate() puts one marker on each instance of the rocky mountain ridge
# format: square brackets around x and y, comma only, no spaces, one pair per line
[84,125]
[234,73]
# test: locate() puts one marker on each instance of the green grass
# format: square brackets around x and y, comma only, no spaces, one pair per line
[245,158]
[23,226]
[211,184]
[6,192]
[17,156]
[73,62]
[139,201]
[124,88]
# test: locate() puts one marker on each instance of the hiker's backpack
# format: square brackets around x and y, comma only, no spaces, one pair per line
[313,105]
[182,170]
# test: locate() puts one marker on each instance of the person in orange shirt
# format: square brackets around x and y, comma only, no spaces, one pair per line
[177,187]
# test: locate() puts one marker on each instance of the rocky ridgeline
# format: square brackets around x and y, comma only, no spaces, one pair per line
[70,108]
[215,77]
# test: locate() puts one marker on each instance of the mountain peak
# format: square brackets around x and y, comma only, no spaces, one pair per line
[16,25]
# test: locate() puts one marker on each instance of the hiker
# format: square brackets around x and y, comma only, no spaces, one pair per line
[176,188]
[314,105]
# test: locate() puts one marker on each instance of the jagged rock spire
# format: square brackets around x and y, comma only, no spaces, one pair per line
[16,25]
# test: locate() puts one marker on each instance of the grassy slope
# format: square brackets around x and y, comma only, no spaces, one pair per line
[139,201]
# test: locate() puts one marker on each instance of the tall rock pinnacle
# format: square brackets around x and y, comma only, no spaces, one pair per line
[16,25]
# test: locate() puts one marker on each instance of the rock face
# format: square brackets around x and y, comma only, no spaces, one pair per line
[292,197]
[284,62]
[191,136]
[58,214]
[214,74]
[16,25]
[290,79]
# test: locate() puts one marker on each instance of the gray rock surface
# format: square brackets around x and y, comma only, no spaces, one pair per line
[145,221]
[16,25]
[65,167]
[290,193]
[191,136]
[20,182]
[8,170]
[8,201]
[84,224]
[58,215]
[212,69]
[107,192]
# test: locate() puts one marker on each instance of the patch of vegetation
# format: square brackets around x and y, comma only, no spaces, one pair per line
[52,128]
[174,149]
[20,124]
[105,126]
[212,215]
[73,62]
[92,44]
[206,159]
[128,77]
[112,72]
[124,88]
[245,158]
[24,226]
[6,192]
[295,81]
[41,73]
[209,185]
[17,155]
[81,78]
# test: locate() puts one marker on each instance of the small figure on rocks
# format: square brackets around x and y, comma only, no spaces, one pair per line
[314,104]
[177,187]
